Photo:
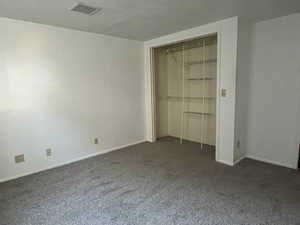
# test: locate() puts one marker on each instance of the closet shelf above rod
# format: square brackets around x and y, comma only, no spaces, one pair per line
[178,48]
[200,62]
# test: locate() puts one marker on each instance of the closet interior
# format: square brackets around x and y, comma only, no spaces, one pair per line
[185,85]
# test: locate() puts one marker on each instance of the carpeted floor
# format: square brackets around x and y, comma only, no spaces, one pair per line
[159,184]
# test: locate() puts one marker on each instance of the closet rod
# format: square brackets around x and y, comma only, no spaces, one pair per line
[201,62]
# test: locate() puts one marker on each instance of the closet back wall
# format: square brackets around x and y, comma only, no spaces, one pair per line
[186,92]
[62,88]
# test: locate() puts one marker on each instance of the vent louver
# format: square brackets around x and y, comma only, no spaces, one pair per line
[85,9]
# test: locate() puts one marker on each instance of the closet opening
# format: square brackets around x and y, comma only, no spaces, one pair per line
[185,84]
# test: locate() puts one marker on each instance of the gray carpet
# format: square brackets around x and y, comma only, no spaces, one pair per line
[159,184]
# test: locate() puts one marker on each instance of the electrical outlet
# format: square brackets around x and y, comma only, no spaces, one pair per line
[238,144]
[19,158]
[96,141]
[48,152]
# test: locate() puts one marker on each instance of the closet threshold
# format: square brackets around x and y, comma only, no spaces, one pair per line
[205,97]
[200,78]
[198,113]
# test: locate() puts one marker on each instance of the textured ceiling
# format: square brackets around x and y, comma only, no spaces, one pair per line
[143,19]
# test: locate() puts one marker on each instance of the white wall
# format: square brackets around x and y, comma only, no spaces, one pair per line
[274,91]
[242,87]
[227,53]
[62,88]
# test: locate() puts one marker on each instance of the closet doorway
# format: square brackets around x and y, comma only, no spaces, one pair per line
[185,90]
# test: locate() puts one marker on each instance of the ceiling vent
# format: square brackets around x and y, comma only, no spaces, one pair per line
[85,9]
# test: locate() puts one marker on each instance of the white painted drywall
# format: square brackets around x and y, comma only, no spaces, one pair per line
[227,53]
[274,91]
[60,89]
[242,88]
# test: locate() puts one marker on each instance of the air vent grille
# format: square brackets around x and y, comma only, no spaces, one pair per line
[85,9]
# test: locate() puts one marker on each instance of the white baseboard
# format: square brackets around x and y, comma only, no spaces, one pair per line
[229,163]
[269,161]
[71,161]
[226,163]
[238,160]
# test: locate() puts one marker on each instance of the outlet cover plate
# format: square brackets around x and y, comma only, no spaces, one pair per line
[223,93]
[48,152]
[19,158]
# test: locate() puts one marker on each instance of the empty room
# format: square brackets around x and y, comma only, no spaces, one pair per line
[135,112]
